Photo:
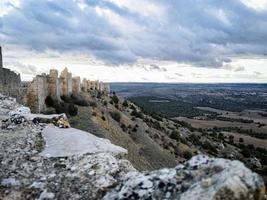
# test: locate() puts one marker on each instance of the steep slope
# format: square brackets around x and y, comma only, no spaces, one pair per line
[143,151]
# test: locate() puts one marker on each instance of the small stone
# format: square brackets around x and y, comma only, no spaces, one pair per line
[46,195]
[9,182]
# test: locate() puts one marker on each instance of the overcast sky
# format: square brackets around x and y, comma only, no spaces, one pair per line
[137,40]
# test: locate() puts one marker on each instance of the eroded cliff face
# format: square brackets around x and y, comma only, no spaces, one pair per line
[34,165]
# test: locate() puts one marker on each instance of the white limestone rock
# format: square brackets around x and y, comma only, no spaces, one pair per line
[201,178]
[71,141]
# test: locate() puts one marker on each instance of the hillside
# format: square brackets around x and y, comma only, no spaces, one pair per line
[43,158]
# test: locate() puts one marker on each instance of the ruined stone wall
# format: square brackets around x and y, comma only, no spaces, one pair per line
[69,82]
[10,82]
[66,82]
[53,84]
[106,88]
[55,87]
[84,85]
[1,59]
[37,93]
[76,85]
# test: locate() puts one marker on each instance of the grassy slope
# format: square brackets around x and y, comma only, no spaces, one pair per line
[143,152]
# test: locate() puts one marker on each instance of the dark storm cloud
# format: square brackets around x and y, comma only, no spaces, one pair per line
[204,33]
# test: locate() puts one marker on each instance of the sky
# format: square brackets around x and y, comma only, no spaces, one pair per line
[198,41]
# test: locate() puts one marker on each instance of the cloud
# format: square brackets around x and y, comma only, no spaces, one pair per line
[178,74]
[257,73]
[154,67]
[234,68]
[205,34]
[22,68]
[239,69]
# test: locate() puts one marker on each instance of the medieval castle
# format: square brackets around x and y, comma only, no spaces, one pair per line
[34,93]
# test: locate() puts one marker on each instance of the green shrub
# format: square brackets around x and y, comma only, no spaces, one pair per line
[93,104]
[116,116]
[132,107]
[137,114]
[105,103]
[124,127]
[115,99]
[175,135]
[72,110]
[125,103]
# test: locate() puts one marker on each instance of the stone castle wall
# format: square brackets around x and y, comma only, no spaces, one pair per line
[76,85]
[55,87]
[37,93]
[10,82]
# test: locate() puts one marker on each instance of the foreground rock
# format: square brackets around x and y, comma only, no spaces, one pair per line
[200,178]
[71,141]
[41,161]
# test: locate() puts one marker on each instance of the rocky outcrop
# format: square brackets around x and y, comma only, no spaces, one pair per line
[27,172]
[201,178]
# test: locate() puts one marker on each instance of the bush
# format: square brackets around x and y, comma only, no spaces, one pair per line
[132,107]
[105,103]
[125,103]
[134,129]
[66,99]
[241,140]
[93,104]
[116,116]
[72,110]
[207,145]
[49,101]
[137,114]
[103,118]
[245,153]
[175,135]
[187,154]
[123,127]
[115,99]
[94,114]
